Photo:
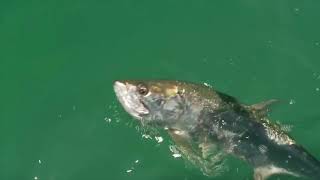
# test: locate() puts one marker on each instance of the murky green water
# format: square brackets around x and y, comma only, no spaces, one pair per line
[58,60]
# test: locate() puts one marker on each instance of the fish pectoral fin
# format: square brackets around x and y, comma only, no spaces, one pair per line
[264,172]
[183,142]
[261,109]
[204,155]
[208,149]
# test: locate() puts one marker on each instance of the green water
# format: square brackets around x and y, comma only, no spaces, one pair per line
[58,60]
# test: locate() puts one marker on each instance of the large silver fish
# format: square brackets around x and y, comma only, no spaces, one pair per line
[206,125]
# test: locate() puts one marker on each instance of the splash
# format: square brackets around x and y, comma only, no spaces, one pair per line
[133,166]
[175,152]
[292,101]
[159,139]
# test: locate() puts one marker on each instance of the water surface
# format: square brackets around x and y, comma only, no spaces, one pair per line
[58,60]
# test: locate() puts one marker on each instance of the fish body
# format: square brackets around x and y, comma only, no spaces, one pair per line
[207,125]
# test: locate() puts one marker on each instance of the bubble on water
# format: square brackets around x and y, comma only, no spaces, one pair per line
[39,161]
[36,178]
[270,43]
[231,61]
[133,165]
[113,112]
[176,155]
[292,101]
[146,136]
[317,89]
[108,120]
[159,139]
[175,151]
[207,84]
[316,75]
[317,43]
[286,127]
[130,124]
[296,10]
[205,59]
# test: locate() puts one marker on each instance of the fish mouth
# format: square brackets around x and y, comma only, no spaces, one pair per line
[130,100]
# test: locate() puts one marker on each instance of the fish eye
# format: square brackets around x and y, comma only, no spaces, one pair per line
[142,89]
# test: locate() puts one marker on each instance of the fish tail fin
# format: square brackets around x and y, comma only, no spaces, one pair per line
[292,160]
[264,172]
[303,163]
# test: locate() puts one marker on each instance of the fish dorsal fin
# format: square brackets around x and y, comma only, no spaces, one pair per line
[261,109]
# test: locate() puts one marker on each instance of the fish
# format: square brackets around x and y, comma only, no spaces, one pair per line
[207,126]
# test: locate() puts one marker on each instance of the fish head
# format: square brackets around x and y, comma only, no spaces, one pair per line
[160,102]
